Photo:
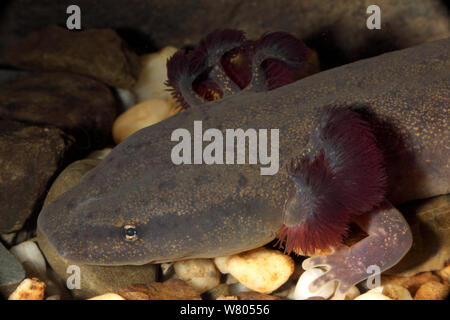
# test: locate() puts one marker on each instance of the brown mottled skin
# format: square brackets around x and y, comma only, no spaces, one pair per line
[192,211]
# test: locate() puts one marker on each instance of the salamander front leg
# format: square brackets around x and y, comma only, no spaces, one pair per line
[389,239]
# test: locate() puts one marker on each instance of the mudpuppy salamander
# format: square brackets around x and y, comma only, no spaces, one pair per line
[385,141]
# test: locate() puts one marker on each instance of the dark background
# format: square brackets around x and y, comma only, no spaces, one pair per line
[336,29]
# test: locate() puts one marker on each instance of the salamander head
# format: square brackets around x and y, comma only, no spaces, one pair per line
[87,233]
[112,228]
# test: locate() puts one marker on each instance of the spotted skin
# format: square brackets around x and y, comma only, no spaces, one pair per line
[200,211]
[388,240]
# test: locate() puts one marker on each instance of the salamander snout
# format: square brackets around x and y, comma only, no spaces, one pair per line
[88,232]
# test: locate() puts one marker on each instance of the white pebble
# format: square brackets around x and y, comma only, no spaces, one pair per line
[142,115]
[396,292]
[201,274]
[108,296]
[99,154]
[351,294]
[227,298]
[150,83]
[221,264]
[302,291]
[31,258]
[261,270]
[126,97]
[373,294]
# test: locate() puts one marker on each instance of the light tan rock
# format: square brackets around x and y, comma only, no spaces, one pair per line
[227,298]
[221,263]
[444,273]
[29,289]
[396,292]
[201,274]
[251,295]
[351,294]
[432,290]
[150,83]
[261,270]
[172,289]
[108,296]
[411,283]
[373,294]
[140,116]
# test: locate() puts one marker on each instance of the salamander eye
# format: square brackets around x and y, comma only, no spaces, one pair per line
[130,232]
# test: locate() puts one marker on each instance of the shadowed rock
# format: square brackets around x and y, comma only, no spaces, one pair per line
[29,158]
[97,53]
[82,107]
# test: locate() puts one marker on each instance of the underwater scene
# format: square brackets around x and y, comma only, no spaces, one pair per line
[224,150]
